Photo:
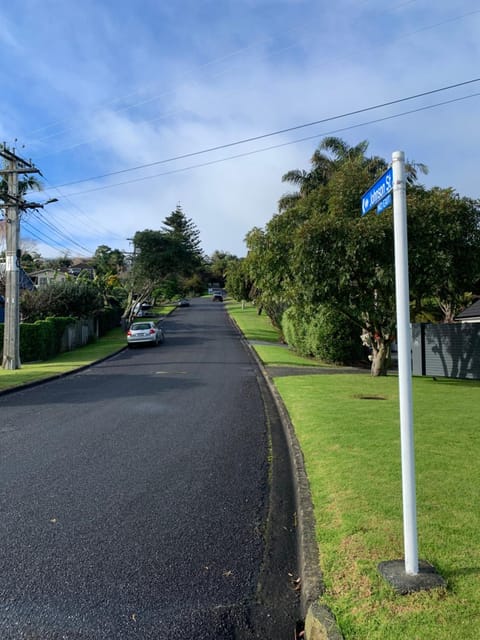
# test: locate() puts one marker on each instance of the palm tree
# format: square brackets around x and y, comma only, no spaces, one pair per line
[29,183]
[323,166]
[329,156]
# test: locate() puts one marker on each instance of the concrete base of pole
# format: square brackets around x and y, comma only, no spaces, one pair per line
[427,578]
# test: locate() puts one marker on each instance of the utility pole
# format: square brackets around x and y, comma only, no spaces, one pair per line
[12,205]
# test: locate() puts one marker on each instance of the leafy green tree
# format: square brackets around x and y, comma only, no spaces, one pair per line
[318,250]
[156,255]
[79,299]
[64,262]
[31,261]
[185,244]
[237,280]
[269,261]
[107,261]
[342,260]
[219,264]
[348,264]
[444,248]
[172,254]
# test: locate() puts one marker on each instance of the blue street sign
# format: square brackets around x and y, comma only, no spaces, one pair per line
[383,204]
[382,187]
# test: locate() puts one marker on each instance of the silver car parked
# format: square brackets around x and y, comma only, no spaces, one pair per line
[144,332]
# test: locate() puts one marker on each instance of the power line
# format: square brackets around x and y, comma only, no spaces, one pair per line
[207,64]
[38,235]
[92,223]
[276,146]
[274,133]
[62,235]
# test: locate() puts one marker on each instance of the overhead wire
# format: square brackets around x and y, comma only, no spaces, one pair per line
[220,59]
[40,216]
[272,133]
[276,146]
[38,235]
[93,224]
[187,74]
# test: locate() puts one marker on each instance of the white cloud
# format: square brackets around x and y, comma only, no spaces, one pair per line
[116,86]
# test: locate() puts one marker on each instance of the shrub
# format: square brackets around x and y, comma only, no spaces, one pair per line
[294,329]
[324,334]
[108,319]
[77,298]
[41,340]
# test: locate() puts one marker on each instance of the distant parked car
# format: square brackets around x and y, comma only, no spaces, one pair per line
[183,303]
[217,296]
[144,333]
[143,310]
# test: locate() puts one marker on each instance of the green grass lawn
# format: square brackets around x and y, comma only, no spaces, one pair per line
[348,428]
[252,325]
[64,362]
[281,356]
[259,328]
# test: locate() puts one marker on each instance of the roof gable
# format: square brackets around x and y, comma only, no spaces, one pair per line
[473,311]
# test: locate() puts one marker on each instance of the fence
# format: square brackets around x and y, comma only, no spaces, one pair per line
[79,334]
[446,350]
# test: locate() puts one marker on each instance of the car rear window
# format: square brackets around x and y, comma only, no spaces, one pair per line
[139,326]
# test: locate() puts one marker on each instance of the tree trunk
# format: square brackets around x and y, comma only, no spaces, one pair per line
[380,358]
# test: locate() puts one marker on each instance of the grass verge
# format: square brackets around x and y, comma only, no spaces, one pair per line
[30,372]
[348,428]
[259,328]
[252,325]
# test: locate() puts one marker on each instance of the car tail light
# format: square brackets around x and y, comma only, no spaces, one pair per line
[129,333]
[152,331]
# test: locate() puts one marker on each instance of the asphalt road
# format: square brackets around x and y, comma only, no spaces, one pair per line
[136,499]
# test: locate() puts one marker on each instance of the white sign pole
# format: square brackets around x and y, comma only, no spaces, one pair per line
[404,363]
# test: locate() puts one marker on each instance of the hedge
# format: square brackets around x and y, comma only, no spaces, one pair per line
[42,339]
[324,334]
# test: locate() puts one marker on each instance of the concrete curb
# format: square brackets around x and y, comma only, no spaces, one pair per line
[320,623]
[57,376]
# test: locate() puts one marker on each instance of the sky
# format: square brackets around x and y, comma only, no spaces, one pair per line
[123,105]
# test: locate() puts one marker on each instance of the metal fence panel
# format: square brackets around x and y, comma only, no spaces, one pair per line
[447,350]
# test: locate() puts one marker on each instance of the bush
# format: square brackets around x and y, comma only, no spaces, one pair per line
[41,340]
[108,319]
[76,298]
[323,333]
[294,329]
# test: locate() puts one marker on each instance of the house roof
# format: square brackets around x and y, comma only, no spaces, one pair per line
[473,311]
[24,279]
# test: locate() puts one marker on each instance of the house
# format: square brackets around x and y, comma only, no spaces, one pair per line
[81,268]
[470,314]
[25,279]
[45,277]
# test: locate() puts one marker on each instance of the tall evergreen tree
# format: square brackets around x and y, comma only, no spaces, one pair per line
[186,237]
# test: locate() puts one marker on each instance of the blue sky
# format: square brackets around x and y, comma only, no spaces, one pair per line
[101,86]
